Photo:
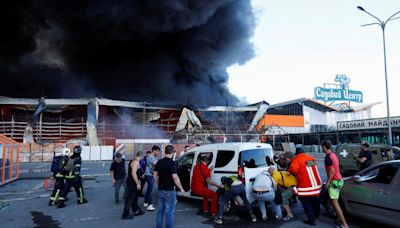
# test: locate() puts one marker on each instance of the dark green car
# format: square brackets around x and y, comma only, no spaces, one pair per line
[380,153]
[374,194]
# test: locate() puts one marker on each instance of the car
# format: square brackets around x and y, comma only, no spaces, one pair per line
[244,160]
[380,152]
[374,193]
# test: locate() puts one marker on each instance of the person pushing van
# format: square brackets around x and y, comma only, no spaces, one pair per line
[234,187]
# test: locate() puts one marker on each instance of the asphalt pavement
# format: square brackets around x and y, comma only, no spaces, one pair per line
[24,204]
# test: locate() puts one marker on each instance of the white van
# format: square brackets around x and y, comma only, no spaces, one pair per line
[244,160]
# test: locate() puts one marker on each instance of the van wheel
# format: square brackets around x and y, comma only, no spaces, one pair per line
[229,207]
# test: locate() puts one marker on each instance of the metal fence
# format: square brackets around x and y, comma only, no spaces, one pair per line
[9,162]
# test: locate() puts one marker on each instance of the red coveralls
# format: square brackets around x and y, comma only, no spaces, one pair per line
[199,187]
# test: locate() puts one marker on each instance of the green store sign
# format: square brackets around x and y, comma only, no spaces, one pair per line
[339,92]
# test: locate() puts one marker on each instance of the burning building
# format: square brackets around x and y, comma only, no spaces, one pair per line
[99,121]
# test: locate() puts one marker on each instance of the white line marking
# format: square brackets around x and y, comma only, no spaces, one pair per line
[42,166]
[187,209]
[86,219]
[28,198]
[38,186]
[20,193]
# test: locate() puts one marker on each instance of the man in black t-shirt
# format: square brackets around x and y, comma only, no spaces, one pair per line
[166,177]
[364,159]
[118,174]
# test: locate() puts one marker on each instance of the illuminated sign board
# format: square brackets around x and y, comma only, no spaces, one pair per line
[339,92]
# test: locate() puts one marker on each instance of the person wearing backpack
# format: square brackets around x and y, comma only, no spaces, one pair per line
[72,171]
[286,182]
[57,167]
[133,187]
[142,177]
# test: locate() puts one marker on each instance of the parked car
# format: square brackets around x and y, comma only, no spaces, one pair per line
[374,193]
[245,160]
[380,152]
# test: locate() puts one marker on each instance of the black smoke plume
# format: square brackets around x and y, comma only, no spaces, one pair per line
[143,50]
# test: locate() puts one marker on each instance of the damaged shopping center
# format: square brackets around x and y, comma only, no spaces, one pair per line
[49,124]
[98,121]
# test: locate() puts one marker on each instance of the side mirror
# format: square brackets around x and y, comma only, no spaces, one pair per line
[357,178]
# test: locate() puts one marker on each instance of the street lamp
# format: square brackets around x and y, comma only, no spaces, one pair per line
[382,24]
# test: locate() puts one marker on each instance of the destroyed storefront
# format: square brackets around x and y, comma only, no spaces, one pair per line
[101,121]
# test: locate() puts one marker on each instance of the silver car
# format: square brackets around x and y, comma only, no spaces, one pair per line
[374,193]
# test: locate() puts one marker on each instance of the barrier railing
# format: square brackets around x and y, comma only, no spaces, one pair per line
[9,160]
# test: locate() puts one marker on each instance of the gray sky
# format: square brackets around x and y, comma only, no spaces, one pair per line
[303,44]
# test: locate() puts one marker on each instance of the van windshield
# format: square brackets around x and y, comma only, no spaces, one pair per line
[256,158]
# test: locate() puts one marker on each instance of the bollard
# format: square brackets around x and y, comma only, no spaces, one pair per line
[46,184]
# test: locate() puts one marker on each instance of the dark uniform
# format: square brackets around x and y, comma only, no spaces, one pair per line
[73,178]
[58,175]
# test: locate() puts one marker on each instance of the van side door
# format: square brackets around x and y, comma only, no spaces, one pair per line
[185,168]
[224,165]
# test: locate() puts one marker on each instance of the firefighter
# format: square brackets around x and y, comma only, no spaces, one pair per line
[304,167]
[57,167]
[72,171]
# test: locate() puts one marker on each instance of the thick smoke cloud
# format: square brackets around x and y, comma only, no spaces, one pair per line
[143,50]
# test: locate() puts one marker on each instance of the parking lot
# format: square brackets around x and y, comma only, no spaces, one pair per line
[24,204]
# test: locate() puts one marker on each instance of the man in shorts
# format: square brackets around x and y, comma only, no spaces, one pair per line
[334,182]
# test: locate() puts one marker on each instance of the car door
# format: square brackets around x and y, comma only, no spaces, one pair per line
[372,195]
[185,166]
[223,166]
[395,200]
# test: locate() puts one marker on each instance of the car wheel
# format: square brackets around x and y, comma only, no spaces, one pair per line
[229,207]
[341,204]
[330,211]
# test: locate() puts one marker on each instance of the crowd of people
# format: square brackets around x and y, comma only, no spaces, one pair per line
[294,177]
[148,170]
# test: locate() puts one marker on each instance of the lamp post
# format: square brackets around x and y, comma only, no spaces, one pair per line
[382,24]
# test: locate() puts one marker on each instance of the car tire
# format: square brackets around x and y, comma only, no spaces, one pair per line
[330,211]
[341,204]
[229,207]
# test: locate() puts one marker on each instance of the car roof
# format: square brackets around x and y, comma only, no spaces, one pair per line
[232,146]
[389,162]
[393,162]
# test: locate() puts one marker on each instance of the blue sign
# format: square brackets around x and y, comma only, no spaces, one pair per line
[341,92]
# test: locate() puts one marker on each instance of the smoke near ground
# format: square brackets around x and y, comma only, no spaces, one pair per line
[143,50]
